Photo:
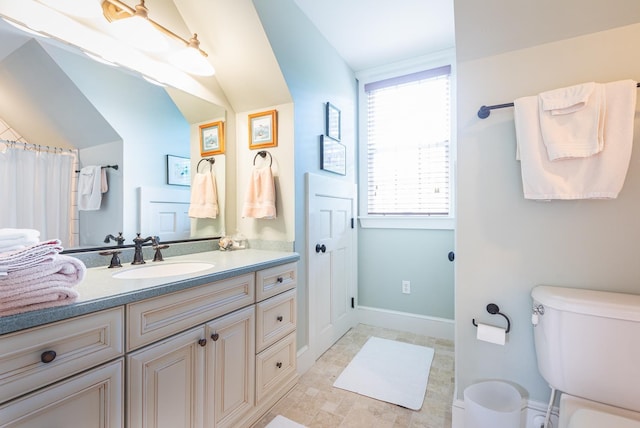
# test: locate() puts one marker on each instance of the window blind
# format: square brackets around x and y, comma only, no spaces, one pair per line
[408,144]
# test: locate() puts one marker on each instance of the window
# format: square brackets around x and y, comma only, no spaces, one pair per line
[407,160]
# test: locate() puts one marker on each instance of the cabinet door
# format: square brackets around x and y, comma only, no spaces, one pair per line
[166,383]
[88,400]
[230,368]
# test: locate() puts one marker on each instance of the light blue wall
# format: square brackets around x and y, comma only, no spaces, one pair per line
[506,244]
[387,257]
[315,74]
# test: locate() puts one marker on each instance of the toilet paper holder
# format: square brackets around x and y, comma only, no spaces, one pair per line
[493,309]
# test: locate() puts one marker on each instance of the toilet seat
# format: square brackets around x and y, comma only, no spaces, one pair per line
[588,418]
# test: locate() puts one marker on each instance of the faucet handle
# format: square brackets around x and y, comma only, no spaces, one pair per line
[115,260]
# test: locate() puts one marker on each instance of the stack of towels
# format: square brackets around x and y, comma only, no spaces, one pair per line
[33,275]
[575,142]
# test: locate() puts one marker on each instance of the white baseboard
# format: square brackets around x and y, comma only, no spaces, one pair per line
[420,324]
[304,360]
[533,414]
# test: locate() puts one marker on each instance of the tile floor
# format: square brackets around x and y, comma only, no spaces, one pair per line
[314,402]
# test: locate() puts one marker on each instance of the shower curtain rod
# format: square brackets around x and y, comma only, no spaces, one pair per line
[38,147]
[485,111]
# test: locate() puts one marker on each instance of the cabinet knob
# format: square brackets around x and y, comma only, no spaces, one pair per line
[214,337]
[279,280]
[48,356]
[202,342]
[279,318]
[279,364]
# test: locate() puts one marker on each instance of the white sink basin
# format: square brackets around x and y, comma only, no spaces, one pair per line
[162,269]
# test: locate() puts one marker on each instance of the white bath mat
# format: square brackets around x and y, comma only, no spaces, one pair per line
[388,370]
[282,422]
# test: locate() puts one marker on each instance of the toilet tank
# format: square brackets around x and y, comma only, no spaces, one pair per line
[588,343]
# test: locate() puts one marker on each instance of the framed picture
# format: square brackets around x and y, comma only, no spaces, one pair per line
[212,139]
[178,170]
[333,155]
[332,122]
[263,129]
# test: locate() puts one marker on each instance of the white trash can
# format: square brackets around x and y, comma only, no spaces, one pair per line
[492,404]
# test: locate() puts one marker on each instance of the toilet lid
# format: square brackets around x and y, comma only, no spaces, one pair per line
[587,418]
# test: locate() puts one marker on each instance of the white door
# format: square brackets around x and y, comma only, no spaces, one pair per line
[331,256]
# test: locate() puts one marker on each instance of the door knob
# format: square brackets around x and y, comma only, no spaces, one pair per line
[320,248]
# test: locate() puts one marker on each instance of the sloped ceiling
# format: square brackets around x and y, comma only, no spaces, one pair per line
[490,27]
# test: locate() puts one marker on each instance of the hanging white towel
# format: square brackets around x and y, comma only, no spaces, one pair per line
[90,188]
[598,176]
[260,199]
[572,120]
[204,196]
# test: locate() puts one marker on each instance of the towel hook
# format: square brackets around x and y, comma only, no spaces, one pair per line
[210,160]
[263,154]
[493,309]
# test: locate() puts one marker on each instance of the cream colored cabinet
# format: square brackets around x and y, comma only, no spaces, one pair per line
[39,381]
[165,382]
[89,400]
[231,368]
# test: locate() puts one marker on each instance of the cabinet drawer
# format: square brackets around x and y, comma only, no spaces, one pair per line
[90,399]
[275,366]
[75,345]
[160,317]
[275,280]
[275,318]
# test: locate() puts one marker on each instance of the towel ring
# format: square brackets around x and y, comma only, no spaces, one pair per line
[263,154]
[210,160]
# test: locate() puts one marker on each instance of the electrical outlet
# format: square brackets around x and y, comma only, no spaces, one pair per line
[406,287]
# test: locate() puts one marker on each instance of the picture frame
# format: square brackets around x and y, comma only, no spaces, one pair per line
[263,129]
[333,126]
[212,139]
[333,155]
[178,170]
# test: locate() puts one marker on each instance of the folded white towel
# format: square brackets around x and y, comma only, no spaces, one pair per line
[204,196]
[572,120]
[16,239]
[32,300]
[260,199]
[90,188]
[599,176]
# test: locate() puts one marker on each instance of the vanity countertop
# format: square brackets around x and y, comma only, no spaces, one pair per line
[99,290]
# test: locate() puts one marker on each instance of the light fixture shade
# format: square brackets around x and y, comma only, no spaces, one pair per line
[192,61]
[140,32]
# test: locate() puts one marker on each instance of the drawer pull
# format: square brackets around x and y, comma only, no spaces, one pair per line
[279,364]
[214,337]
[48,356]
[279,318]
[202,342]
[279,280]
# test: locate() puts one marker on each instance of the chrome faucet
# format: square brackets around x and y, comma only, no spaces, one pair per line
[119,239]
[138,258]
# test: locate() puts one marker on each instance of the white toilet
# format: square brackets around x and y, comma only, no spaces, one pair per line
[588,347]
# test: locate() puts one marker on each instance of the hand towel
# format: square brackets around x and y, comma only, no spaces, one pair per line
[260,199]
[598,176]
[37,254]
[90,188]
[38,299]
[204,196]
[104,185]
[572,120]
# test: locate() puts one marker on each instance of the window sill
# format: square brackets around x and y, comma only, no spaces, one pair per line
[414,222]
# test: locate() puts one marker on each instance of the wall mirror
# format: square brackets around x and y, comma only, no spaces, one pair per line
[55,96]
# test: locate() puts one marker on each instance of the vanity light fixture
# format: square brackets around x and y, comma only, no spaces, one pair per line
[191,59]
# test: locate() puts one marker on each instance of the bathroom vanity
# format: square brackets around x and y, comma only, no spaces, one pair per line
[215,348]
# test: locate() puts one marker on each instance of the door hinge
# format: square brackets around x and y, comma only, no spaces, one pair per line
[353,302]
[352,223]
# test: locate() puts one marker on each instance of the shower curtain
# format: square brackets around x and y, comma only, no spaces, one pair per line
[35,190]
